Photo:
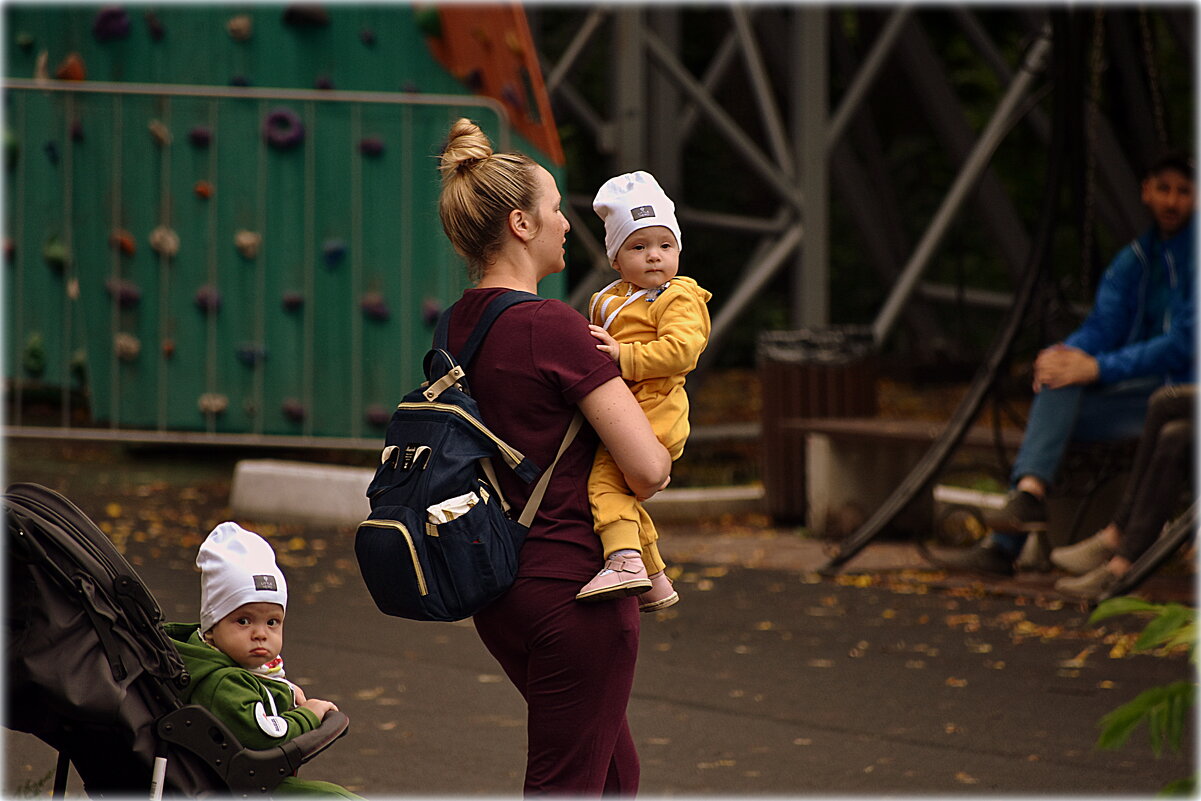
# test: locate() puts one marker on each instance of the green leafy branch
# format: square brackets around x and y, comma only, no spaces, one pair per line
[1165,709]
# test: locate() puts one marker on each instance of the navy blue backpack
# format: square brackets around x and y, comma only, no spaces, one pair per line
[441,541]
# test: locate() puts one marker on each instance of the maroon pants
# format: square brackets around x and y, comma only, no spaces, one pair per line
[574,665]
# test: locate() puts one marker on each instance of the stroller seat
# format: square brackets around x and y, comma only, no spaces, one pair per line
[92,673]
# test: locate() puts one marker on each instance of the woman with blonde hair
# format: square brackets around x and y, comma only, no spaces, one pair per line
[573,663]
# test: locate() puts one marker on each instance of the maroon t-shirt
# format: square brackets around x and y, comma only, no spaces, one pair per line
[537,362]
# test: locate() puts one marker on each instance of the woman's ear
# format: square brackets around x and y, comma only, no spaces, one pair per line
[521,225]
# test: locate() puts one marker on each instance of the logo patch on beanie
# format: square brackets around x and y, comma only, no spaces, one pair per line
[641,212]
[265,583]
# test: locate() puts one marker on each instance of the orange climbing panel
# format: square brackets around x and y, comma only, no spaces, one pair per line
[490,49]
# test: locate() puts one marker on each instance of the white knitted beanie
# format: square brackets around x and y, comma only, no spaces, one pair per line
[236,567]
[632,201]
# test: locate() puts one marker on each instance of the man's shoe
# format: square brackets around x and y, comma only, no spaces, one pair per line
[984,558]
[1021,512]
[1091,586]
[660,596]
[1036,554]
[621,576]
[1083,557]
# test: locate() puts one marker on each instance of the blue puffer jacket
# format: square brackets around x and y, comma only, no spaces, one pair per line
[1142,321]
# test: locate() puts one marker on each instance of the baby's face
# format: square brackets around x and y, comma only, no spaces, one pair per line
[251,635]
[649,258]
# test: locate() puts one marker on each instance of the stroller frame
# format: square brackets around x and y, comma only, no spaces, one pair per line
[92,673]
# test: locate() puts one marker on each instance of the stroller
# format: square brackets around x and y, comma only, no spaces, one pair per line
[92,673]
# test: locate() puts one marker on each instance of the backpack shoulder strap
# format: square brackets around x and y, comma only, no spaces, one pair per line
[493,310]
[531,506]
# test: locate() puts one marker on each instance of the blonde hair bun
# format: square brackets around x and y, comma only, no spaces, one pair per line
[466,145]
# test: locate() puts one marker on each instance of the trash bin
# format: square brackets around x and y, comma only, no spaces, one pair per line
[810,372]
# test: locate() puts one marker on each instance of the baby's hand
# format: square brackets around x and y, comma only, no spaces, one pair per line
[608,343]
[319,707]
[299,693]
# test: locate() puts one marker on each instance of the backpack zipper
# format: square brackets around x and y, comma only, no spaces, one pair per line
[512,456]
[404,532]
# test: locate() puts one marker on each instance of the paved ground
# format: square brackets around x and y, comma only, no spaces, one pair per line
[766,679]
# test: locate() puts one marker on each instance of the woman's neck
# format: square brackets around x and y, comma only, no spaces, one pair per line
[509,276]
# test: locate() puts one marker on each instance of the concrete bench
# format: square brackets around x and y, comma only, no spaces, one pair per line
[852,465]
[322,494]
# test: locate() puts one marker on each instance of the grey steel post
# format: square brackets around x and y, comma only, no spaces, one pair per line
[629,90]
[811,290]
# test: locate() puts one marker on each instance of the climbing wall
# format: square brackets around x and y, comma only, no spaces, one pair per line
[251,245]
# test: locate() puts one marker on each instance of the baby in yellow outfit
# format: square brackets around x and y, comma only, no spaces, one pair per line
[654,324]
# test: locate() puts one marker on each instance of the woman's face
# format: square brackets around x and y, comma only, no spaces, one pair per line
[547,244]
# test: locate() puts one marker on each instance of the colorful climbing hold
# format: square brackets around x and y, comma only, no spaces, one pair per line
[212,403]
[155,26]
[293,410]
[33,355]
[71,68]
[125,293]
[282,128]
[428,20]
[126,346]
[56,255]
[110,23]
[248,243]
[203,189]
[168,348]
[164,241]
[431,310]
[372,146]
[367,37]
[208,299]
[251,354]
[240,28]
[293,301]
[377,415]
[374,306]
[306,15]
[160,132]
[200,136]
[333,251]
[123,241]
[12,149]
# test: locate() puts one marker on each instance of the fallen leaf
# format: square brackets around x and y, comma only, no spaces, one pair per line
[964,778]
[955,682]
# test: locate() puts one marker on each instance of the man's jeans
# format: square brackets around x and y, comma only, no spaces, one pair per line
[1075,414]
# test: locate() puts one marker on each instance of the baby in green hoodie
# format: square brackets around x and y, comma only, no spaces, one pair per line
[233,654]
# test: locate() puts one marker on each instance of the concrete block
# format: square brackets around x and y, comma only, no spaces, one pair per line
[275,489]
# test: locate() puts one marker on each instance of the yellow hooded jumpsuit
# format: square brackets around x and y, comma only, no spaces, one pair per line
[661,335]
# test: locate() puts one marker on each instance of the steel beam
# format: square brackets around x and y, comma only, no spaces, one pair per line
[975,165]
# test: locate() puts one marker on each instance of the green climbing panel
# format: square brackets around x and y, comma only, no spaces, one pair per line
[210,261]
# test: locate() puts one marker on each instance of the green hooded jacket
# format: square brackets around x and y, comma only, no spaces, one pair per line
[237,696]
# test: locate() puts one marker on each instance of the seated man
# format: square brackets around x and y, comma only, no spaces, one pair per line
[1094,386]
[1162,469]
